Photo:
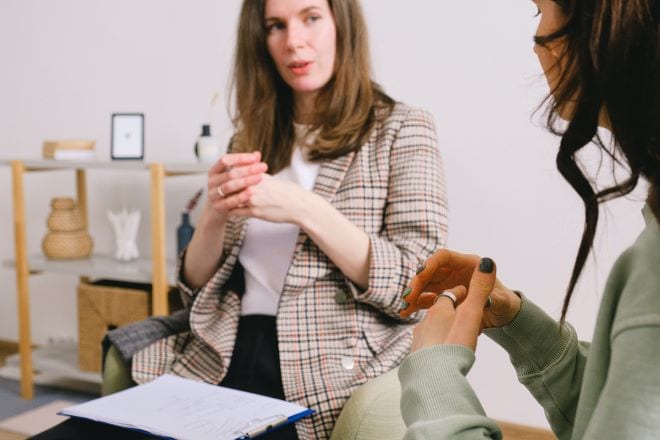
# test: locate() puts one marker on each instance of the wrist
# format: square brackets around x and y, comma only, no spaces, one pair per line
[516,301]
[309,205]
[211,220]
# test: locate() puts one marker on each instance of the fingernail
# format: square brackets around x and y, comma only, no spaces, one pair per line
[420,269]
[486,265]
[406,292]
[489,302]
[404,305]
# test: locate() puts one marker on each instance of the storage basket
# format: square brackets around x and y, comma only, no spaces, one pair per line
[67,245]
[107,304]
[65,216]
[67,237]
[104,305]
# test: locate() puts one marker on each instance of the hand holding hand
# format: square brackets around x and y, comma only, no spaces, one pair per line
[447,269]
[458,322]
[274,200]
[230,179]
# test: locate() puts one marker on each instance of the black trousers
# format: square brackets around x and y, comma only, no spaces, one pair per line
[254,367]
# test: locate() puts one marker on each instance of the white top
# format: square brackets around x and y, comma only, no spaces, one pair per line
[268,247]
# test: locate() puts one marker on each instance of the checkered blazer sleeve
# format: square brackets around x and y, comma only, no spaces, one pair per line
[415,218]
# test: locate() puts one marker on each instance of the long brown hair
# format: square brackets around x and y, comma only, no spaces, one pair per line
[347,107]
[610,66]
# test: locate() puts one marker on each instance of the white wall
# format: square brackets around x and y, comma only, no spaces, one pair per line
[65,66]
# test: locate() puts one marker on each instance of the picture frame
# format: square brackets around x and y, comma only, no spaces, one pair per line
[127,136]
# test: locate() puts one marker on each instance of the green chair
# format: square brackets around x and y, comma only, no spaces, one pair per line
[372,412]
[116,373]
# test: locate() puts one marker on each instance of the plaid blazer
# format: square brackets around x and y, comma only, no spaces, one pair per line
[333,336]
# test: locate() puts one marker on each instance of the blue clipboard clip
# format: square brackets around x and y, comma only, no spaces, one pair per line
[259,426]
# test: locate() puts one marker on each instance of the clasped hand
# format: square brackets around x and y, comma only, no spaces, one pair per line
[482,301]
[239,186]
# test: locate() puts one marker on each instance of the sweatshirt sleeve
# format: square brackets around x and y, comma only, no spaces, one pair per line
[550,362]
[628,404]
[437,402]
[415,217]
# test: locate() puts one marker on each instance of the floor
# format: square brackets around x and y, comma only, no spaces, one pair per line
[6,350]
[12,404]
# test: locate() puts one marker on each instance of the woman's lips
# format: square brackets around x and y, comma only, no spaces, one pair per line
[300,67]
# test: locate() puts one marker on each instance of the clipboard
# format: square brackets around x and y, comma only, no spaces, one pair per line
[261,426]
[177,408]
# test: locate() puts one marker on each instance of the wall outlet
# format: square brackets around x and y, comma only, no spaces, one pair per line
[62,339]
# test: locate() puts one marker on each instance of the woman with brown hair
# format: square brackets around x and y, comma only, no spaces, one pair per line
[301,303]
[316,219]
[602,62]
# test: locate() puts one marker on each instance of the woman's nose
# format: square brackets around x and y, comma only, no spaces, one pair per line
[295,37]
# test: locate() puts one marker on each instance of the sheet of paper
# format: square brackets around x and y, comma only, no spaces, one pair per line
[171,406]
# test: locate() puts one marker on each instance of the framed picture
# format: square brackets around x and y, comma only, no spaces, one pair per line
[127,141]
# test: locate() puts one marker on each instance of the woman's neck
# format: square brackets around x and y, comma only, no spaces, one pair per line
[303,107]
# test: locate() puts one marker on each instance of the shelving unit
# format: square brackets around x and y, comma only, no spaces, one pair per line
[155,270]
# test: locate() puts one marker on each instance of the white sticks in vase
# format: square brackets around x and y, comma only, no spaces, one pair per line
[125,224]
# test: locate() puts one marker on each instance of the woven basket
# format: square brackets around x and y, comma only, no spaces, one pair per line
[102,306]
[67,245]
[62,203]
[65,219]
[107,304]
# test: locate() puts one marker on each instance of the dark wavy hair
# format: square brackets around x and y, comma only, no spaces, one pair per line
[609,68]
[348,106]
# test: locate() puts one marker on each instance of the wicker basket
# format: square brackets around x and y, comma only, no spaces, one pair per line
[67,237]
[102,306]
[67,245]
[107,304]
[65,216]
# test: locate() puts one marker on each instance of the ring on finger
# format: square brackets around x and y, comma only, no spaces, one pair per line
[489,302]
[447,294]
[219,191]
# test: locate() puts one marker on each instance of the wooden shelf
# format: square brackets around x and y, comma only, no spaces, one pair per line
[171,169]
[98,266]
[155,269]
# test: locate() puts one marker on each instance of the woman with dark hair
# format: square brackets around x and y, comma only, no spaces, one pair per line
[602,62]
[292,277]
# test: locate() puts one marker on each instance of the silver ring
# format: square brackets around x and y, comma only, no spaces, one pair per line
[447,294]
[219,191]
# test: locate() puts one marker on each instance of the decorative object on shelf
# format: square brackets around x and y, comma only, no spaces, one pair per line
[79,150]
[185,230]
[125,224]
[207,148]
[67,236]
[127,141]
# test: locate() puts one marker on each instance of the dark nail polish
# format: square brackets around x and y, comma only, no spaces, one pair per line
[407,292]
[486,265]
[420,269]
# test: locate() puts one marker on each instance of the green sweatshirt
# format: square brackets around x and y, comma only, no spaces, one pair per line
[609,389]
